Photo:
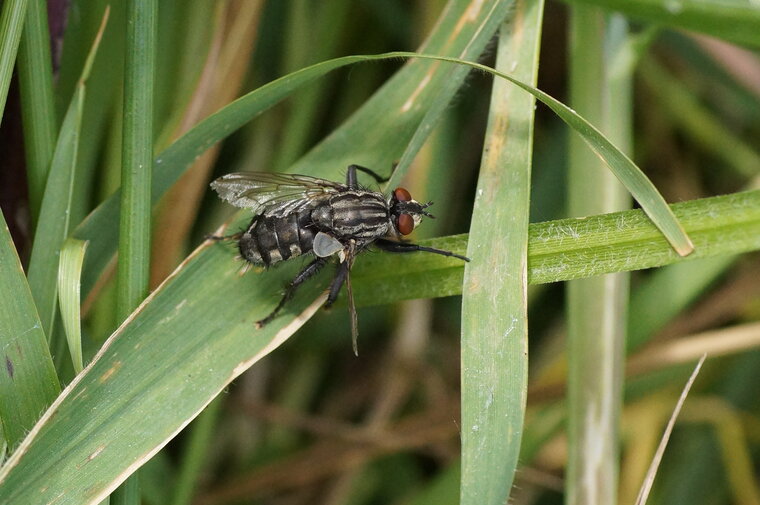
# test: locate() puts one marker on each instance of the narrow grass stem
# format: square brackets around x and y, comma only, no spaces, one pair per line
[37,107]
[137,163]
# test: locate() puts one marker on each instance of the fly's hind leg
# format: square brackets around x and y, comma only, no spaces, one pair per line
[304,275]
[217,238]
[351,181]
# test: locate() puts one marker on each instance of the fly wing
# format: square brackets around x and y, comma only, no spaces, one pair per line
[273,194]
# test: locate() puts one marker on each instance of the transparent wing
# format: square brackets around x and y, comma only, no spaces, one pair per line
[273,194]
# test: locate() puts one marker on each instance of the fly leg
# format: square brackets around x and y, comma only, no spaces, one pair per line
[340,277]
[351,181]
[344,275]
[405,247]
[217,238]
[304,275]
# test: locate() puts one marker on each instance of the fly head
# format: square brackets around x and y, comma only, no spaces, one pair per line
[406,213]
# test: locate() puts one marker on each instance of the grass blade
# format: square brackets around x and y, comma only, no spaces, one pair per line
[11,24]
[496,15]
[596,307]
[210,336]
[137,157]
[494,314]
[133,272]
[69,275]
[568,249]
[28,383]
[36,84]
[646,486]
[53,225]
[734,20]
[621,165]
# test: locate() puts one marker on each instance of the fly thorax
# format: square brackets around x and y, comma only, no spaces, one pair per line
[358,214]
[322,217]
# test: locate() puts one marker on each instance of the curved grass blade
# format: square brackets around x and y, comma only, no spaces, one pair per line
[495,314]
[638,184]
[28,383]
[69,275]
[53,224]
[646,486]
[498,12]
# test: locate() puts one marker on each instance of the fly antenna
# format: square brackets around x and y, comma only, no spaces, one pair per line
[425,206]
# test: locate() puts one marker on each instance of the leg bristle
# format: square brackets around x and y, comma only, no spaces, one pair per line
[244,269]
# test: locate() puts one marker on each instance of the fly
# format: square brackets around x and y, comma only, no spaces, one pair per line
[296,215]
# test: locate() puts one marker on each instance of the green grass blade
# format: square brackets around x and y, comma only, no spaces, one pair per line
[69,275]
[496,14]
[621,165]
[734,20]
[137,157]
[696,121]
[36,84]
[11,24]
[596,307]
[133,271]
[201,323]
[573,249]
[104,87]
[196,453]
[730,229]
[495,314]
[53,225]
[28,383]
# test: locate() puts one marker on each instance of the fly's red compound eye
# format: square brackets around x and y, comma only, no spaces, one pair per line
[402,195]
[405,223]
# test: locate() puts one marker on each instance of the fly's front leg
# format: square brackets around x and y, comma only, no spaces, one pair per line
[304,275]
[405,247]
[351,181]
